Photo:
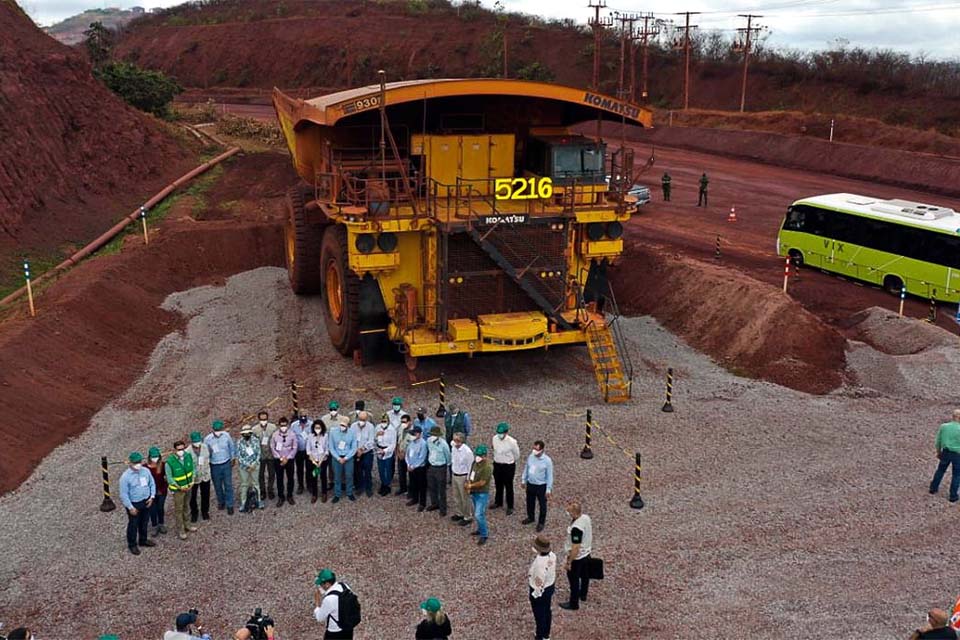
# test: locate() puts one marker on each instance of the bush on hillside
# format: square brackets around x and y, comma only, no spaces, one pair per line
[150,91]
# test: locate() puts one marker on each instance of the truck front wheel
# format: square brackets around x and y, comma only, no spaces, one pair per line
[341,291]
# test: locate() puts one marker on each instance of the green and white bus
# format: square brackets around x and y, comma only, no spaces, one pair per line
[891,243]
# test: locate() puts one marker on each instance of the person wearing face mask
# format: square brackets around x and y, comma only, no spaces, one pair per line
[300,425]
[435,624]
[248,456]
[358,406]
[284,446]
[155,466]
[317,460]
[461,459]
[506,454]
[331,420]
[422,420]
[262,432]
[137,491]
[457,420]
[396,412]
[201,478]
[579,545]
[537,478]
[404,436]
[180,476]
[438,459]
[364,431]
[343,448]
[541,579]
[223,455]
[385,443]
[416,467]
[478,484]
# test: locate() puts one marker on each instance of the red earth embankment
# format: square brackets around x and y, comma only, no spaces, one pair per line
[97,326]
[72,154]
[747,326]
[927,172]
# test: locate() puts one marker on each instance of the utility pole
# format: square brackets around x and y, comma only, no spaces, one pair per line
[597,24]
[686,55]
[745,44]
[505,72]
[626,36]
[648,31]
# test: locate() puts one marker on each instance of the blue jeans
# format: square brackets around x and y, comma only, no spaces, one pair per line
[480,501]
[156,511]
[385,468]
[947,458]
[339,470]
[222,476]
[365,473]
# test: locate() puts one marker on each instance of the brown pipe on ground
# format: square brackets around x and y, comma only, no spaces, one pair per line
[117,228]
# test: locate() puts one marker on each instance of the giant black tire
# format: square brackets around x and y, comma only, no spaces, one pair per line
[302,242]
[341,291]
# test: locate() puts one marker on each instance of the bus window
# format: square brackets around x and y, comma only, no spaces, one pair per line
[795,219]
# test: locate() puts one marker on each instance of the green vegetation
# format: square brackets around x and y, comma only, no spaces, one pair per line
[149,91]
[534,71]
[11,276]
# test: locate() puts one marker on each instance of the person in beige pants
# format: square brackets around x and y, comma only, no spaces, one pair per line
[462,458]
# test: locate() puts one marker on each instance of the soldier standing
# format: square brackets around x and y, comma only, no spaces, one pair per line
[665,185]
[702,195]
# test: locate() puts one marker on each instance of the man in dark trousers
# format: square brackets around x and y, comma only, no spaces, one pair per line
[578,546]
[665,185]
[702,195]
[948,451]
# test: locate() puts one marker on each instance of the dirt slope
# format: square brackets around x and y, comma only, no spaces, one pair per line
[68,144]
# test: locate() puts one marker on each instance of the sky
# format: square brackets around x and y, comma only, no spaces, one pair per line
[926,27]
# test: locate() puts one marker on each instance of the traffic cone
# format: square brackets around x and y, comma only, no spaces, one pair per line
[732,217]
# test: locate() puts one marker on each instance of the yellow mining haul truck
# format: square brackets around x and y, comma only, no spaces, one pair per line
[461,216]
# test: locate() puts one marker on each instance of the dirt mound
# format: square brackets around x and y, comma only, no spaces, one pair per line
[746,325]
[69,144]
[97,326]
[886,331]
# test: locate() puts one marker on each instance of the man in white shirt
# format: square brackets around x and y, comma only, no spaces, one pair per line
[385,444]
[461,458]
[578,546]
[506,454]
[541,579]
[327,605]
[365,431]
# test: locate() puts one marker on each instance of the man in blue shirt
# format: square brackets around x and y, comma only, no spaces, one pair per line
[425,422]
[137,491]
[538,479]
[416,458]
[438,459]
[223,455]
[301,428]
[343,447]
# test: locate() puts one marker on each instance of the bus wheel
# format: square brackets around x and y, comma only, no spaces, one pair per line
[796,257]
[893,284]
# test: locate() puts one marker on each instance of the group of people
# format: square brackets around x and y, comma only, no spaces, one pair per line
[334,454]
[666,185]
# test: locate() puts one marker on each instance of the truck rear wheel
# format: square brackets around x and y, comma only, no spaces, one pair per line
[341,291]
[302,244]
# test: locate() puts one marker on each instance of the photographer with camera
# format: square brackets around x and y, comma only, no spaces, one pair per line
[188,624]
[258,627]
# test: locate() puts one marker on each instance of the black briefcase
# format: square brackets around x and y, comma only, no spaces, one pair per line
[594,569]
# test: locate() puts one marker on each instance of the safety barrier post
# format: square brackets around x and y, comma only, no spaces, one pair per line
[143,220]
[26,274]
[442,409]
[293,396]
[636,502]
[587,453]
[786,273]
[716,255]
[932,314]
[903,296]
[107,504]
[668,405]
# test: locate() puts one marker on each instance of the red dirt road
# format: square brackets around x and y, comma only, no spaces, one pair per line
[761,194]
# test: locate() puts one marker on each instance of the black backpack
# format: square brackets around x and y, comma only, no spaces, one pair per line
[348,610]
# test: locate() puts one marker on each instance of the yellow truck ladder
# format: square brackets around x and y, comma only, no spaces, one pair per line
[607,366]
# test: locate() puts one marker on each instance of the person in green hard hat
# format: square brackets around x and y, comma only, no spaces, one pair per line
[506,455]
[137,491]
[201,478]
[435,624]
[478,484]
[331,419]
[179,472]
[155,465]
[335,605]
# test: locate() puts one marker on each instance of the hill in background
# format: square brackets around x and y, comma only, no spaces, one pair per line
[70,31]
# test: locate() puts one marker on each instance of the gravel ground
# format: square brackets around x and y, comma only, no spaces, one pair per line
[770,513]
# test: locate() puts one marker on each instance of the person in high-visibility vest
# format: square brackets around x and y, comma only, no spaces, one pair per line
[179,470]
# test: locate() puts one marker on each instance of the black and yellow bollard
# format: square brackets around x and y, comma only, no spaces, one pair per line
[107,504]
[932,313]
[442,409]
[294,399]
[717,254]
[636,502]
[587,453]
[668,405]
